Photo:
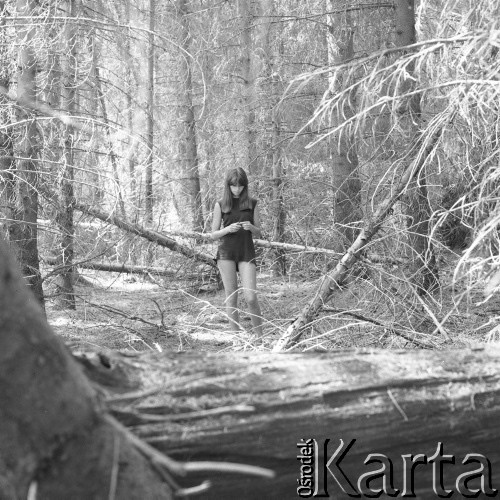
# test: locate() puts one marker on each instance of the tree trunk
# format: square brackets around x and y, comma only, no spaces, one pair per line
[278,211]
[132,83]
[23,230]
[207,131]
[131,90]
[248,68]
[149,195]
[257,408]
[424,271]
[7,183]
[343,149]
[64,217]
[188,143]
[274,90]
[56,441]
[111,150]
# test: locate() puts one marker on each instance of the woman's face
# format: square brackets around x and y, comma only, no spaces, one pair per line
[236,189]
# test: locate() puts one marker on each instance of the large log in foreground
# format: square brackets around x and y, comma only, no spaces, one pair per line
[256,408]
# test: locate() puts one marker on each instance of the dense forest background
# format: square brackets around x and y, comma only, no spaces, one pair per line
[370,132]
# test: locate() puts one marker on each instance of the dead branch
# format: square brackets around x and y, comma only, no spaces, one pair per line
[115,268]
[420,343]
[148,234]
[292,247]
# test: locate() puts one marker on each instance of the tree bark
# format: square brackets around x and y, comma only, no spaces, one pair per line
[56,441]
[111,149]
[248,76]
[256,407]
[188,143]
[343,148]
[207,130]
[149,195]
[131,110]
[23,229]
[424,271]
[64,216]
[7,163]
[274,89]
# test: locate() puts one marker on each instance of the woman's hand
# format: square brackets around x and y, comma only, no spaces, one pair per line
[234,228]
[248,226]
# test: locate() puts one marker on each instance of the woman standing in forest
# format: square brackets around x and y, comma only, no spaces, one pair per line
[235,222]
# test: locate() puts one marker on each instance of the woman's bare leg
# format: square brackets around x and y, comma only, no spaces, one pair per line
[248,275]
[227,269]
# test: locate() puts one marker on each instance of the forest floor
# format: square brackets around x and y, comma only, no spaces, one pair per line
[123,312]
[119,311]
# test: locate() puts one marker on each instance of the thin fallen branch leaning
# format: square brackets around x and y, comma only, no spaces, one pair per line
[420,343]
[333,281]
[115,268]
[149,234]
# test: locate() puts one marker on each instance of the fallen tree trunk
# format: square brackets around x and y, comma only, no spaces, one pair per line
[256,407]
[115,268]
[332,282]
[149,234]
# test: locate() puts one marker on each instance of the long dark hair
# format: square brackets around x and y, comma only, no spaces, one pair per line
[233,177]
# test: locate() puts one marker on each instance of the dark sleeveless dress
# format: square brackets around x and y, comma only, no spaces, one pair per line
[238,246]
